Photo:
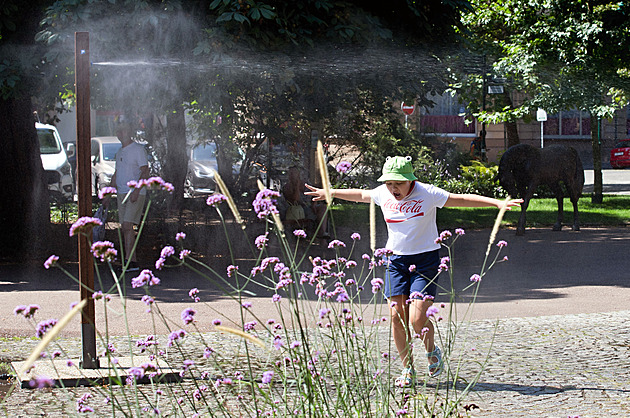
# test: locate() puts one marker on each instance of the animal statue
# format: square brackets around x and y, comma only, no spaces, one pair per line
[523,168]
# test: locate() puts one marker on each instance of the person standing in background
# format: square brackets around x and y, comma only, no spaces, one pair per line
[131,165]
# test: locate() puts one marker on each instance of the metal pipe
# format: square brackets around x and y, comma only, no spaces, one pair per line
[84,182]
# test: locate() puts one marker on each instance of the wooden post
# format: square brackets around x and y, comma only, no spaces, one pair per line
[84,181]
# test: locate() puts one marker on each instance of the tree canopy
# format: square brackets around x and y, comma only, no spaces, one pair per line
[559,55]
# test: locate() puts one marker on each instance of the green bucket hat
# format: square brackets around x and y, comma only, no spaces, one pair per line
[397,169]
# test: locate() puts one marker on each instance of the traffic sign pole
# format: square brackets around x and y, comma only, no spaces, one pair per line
[541,116]
[408,110]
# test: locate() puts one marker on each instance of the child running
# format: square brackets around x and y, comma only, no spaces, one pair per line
[409,208]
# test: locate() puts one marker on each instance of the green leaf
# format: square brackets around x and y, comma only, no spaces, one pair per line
[226,17]
[241,18]
[267,13]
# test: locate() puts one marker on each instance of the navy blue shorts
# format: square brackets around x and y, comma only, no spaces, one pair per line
[400,281]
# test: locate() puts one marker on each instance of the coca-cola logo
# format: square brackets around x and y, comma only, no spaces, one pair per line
[409,206]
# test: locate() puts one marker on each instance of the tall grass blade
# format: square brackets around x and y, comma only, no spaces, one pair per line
[50,335]
[323,171]
[224,190]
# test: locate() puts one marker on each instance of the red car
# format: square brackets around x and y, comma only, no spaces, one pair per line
[620,155]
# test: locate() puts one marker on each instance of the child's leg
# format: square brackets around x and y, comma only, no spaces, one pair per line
[399,311]
[419,321]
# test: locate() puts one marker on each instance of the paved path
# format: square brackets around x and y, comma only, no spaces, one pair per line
[614,181]
[562,302]
[548,366]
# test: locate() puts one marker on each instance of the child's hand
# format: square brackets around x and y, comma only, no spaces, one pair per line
[513,203]
[317,194]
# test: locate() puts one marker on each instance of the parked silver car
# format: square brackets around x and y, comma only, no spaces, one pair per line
[202,162]
[103,153]
[55,161]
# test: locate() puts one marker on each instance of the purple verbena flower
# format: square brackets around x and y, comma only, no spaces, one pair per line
[43,327]
[432,311]
[343,167]
[152,183]
[336,243]
[194,294]
[106,191]
[377,284]
[265,203]
[188,316]
[41,382]
[231,269]
[145,278]
[84,225]
[215,199]
[167,251]
[267,377]
[261,241]
[249,326]
[174,336]
[51,261]
[159,263]
[383,252]
[104,250]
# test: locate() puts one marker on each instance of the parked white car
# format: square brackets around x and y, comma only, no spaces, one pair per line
[103,153]
[59,174]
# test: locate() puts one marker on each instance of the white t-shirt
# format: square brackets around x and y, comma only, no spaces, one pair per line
[129,159]
[411,221]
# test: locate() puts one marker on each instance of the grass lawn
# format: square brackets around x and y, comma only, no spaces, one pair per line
[614,211]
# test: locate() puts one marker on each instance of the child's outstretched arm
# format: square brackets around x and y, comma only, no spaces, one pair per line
[353,195]
[478,201]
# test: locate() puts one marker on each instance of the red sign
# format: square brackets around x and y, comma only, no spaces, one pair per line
[407,108]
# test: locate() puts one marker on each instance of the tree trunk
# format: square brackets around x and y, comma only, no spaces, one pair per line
[510,127]
[176,163]
[598,183]
[224,141]
[25,210]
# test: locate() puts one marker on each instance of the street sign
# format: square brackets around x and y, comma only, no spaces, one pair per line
[495,89]
[541,116]
[407,109]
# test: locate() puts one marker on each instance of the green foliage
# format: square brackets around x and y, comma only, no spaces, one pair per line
[477,178]
[9,78]
[560,55]
[481,178]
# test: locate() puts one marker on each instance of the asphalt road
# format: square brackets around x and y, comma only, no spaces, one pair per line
[547,273]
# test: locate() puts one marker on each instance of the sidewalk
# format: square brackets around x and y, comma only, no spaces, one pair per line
[561,346]
[549,366]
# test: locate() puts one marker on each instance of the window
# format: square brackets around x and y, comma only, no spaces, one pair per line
[48,144]
[445,117]
[571,123]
